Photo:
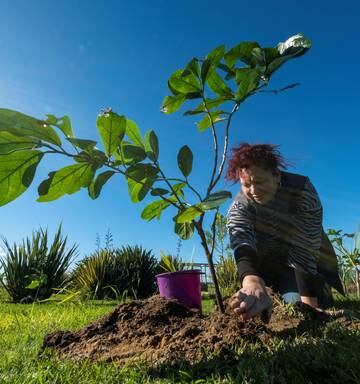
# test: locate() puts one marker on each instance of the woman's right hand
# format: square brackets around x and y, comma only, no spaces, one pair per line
[252,299]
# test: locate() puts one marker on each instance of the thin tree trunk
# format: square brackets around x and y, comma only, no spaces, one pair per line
[201,233]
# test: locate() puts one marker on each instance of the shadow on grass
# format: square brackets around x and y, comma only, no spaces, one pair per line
[350,302]
[331,357]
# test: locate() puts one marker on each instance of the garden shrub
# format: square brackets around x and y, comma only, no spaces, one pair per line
[227,275]
[32,270]
[113,273]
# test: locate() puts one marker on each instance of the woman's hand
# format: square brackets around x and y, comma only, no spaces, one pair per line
[252,299]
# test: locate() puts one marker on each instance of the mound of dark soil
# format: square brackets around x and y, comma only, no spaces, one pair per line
[163,331]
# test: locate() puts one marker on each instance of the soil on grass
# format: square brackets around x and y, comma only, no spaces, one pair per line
[163,331]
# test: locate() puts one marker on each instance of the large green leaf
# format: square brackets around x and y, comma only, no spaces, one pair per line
[141,171]
[189,214]
[138,175]
[171,104]
[295,46]
[17,170]
[259,56]
[215,200]
[211,61]
[248,79]
[67,180]
[243,52]
[112,128]
[185,160]
[159,192]
[178,188]
[10,143]
[92,156]
[133,132]
[184,84]
[154,209]
[20,124]
[207,121]
[138,191]
[218,85]
[184,230]
[82,143]
[151,145]
[63,123]
[209,104]
[130,153]
[192,67]
[95,187]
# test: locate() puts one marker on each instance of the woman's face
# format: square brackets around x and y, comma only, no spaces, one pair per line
[258,184]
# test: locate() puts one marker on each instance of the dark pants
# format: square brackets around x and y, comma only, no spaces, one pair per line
[284,279]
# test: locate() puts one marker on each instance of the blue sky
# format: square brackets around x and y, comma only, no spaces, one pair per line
[76,57]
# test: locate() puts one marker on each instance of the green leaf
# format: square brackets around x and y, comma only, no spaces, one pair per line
[94,188]
[184,230]
[17,170]
[211,61]
[259,56]
[243,52]
[63,123]
[133,132]
[130,154]
[185,160]
[34,284]
[82,143]
[215,200]
[151,145]
[138,191]
[10,143]
[171,104]
[138,175]
[67,180]
[184,85]
[229,72]
[189,214]
[206,121]
[295,46]
[210,103]
[192,67]
[139,172]
[93,157]
[154,209]
[112,129]
[159,192]
[248,79]
[217,85]
[178,188]
[20,124]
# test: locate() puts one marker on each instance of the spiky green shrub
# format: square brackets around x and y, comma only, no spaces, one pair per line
[113,273]
[227,275]
[32,270]
[170,263]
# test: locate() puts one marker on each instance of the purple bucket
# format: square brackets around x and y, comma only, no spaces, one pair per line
[183,286]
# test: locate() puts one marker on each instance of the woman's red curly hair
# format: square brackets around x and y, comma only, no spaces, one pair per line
[245,155]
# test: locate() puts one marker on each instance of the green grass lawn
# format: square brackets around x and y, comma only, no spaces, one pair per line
[328,357]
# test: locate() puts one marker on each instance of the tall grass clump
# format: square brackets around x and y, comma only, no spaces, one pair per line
[32,270]
[113,273]
[227,275]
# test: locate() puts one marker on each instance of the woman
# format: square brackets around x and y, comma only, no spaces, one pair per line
[275,229]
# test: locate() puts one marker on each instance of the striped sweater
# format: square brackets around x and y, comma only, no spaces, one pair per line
[288,229]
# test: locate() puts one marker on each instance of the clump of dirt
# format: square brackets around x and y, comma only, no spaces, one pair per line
[161,331]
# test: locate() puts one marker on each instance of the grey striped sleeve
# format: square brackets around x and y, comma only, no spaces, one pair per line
[306,241]
[240,225]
